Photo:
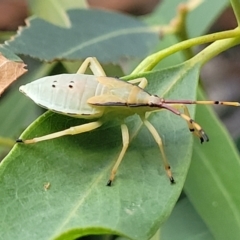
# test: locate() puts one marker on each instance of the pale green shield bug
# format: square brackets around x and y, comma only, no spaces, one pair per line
[93,96]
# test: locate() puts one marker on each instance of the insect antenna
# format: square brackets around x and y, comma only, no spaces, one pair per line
[235,104]
[173,105]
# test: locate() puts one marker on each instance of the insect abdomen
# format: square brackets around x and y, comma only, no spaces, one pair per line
[65,93]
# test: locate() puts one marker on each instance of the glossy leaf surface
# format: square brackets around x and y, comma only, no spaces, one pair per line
[214,172]
[75,169]
[91,33]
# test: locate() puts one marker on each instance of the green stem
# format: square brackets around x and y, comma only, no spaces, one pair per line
[214,49]
[5,35]
[151,61]
[236,8]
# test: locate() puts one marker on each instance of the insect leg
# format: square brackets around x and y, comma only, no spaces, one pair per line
[186,112]
[158,140]
[125,140]
[200,132]
[94,65]
[142,82]
[70,131]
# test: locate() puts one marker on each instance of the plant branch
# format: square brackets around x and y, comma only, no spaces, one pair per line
[151,61]
[236,8]
[214,49]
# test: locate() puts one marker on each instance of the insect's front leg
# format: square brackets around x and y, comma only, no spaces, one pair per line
[94,65]
[125,140]
[189,123]
[193,126]
[70,131]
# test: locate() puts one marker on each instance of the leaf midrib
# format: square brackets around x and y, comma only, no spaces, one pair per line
[105,37]
[101,175]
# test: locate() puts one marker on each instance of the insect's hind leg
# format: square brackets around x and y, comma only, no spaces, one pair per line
[94,65]
[158,140]
[125,140]
[70,131]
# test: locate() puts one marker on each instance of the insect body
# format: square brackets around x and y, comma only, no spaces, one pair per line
[92,96]
[80,95]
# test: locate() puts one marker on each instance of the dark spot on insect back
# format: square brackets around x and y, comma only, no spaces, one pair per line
[53,85]
[70,85]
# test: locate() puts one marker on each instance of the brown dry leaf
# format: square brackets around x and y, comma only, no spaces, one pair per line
[9,72]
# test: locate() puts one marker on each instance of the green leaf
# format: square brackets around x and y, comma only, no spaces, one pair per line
[18,104]
[196,23]
[55,11]
[208,12]
[16,110]
[77,202]
[105,35]
[185,223]
[167,11]
[236,5]
[212,180]
[238,143]
[9,54]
